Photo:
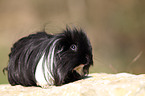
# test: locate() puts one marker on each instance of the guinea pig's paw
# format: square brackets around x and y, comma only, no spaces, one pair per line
[44,86]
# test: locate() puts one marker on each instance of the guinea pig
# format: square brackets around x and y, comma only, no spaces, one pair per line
[43,59]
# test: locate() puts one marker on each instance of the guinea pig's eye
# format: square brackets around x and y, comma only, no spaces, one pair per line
[73,47]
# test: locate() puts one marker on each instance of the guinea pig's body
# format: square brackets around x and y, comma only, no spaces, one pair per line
[42,59]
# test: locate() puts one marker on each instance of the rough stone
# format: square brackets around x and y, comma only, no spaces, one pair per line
[97,84]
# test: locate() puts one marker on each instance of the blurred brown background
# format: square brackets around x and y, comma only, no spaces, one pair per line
[116,29]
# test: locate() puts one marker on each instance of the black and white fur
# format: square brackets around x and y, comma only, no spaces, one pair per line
[42,59]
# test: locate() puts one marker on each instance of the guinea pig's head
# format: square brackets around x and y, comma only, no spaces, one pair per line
[73,56]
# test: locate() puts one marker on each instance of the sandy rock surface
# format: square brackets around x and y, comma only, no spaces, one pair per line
[97,84]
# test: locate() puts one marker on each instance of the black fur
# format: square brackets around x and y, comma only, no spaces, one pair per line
[72,49]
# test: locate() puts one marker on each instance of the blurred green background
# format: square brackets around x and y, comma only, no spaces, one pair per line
[116,29]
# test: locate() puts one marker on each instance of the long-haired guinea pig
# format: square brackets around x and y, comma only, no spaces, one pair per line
[42,59]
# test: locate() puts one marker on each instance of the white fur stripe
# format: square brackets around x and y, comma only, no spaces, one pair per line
[44,70]
[39,76]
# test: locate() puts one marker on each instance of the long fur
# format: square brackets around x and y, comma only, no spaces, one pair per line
[49,59]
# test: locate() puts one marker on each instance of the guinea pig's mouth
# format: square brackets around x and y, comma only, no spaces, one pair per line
[79,69]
